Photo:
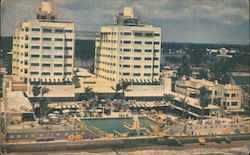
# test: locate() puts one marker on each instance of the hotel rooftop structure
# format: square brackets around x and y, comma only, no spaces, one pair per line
[43,48]
[128,50]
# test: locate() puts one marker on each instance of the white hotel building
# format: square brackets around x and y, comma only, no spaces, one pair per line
[43,53]
[128,50]
[43,48]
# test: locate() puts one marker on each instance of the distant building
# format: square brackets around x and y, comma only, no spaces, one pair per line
[128,50]
[229,96]
[43,48]
[222,52]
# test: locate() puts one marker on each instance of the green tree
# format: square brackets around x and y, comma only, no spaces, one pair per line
[36,90]
[169,97]
[88,93]
[203,74]
[204,100]
[121,86]
[217,101]
[43,101]
[76,82]
[184,69]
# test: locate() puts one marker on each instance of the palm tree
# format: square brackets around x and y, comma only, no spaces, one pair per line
[169,97]
[36,90]
[121,86]
[88,93]
[204,99]
[43,101]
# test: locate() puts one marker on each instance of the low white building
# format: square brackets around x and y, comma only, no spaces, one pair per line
[230,96]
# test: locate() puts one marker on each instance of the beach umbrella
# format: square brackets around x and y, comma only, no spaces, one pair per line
[66,111]
[45,120]
[56,112]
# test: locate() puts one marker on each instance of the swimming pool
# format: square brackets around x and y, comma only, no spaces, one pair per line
[108,125]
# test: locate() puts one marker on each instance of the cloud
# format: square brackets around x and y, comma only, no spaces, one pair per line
[176,17]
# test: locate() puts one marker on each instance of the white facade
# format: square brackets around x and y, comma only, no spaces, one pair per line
[43,48]
[231,96]
[128,51]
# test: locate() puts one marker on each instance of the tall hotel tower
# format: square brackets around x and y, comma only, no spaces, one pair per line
[43,48]
[128,50]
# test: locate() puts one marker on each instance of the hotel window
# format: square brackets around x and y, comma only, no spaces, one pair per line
[148,42]
[137,58]
[34,56]
[46,47]
[226,95]
[155,66]
[126,58]
[57,73]
[46,39]
[157,34]
[147,58]
[147,74]
[46,65]
[137,66]
[26,54]
[157,43]
[58,48]
[34,64]
[127,33]
[68,48]
[126,74]
[147,66]
[137,50]
[35,29]
[155,74]
[233,95]
[57,65]
[67,65]
[126,66]
[46,56]
[26,46]
[156,50]
[126,50]
[34,73]
[58,56]
[69,31]
[126,42]
[234,103]
[59,30]
[137,74]
[47,30]
[26,29]
[35,38]
[26,37]
[148,34]
[67,73]
[156,58]
[68,56]
[68,40]
[138,34]
[138,42]
[58,39]
[45,73]
[148,50]
[35,47]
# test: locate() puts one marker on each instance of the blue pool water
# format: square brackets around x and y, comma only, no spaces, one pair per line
[108,125]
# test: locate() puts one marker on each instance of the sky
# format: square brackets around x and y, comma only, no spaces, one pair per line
[185,21]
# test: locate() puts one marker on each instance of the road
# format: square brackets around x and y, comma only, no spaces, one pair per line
[209,148]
